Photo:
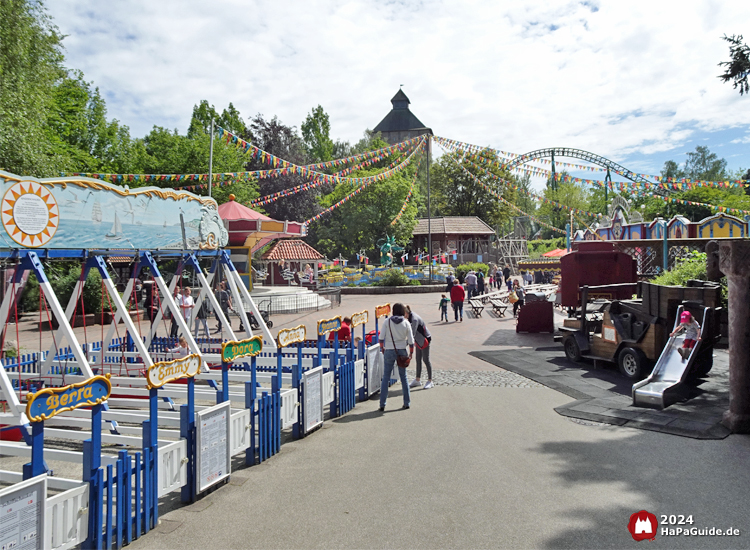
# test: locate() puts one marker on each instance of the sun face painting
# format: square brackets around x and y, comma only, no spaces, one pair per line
[30,214]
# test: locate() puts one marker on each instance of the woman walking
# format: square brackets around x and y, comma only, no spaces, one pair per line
[422,341]
[394,337]
[520,294]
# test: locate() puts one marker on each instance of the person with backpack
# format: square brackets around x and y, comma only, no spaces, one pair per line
[201,319]
[395,335]
[422,341]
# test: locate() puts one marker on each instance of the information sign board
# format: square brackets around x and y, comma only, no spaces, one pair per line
[313,389]
[328,325]
[22,508]
[382,311]
[212,443]
[288,336]
[163,372]
[359,318]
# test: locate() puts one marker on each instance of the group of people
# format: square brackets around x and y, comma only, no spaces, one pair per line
[183,298]
[403,331]
[475,287]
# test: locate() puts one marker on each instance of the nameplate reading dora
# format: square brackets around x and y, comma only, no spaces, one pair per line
[243,348]
[164,372]
[328,325]
[49,402]
[289,336]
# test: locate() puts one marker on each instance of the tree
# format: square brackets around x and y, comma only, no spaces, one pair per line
[569,194]
[284,142]
[30,66]
[316,130]
[703,165]
[456,193]
[738,67]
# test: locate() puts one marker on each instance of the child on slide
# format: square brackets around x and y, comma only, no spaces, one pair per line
[692,333]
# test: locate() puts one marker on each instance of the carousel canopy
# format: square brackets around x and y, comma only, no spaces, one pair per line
[249,228]
[292,250]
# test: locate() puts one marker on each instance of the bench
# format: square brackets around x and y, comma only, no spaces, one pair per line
[476,306]
[498,306]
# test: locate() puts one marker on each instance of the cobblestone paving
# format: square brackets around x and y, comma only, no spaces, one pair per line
[500,378]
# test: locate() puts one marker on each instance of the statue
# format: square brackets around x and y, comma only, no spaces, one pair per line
[388,248]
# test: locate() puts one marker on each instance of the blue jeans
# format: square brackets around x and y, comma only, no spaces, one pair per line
[458,307]
[389,363]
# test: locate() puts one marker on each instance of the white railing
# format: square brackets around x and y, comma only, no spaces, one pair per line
[289,406]
[328,387]
[359,374]
[67,517]
[172,470]
[239,435]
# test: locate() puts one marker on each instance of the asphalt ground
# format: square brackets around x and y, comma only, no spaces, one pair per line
[470,465]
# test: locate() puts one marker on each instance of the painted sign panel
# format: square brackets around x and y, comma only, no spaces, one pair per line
[81,212]
[382,311]
[49,402]
[22,509]
[289,336]
[328,325]
[212,441]
[249,347]
[164,372]
[312,381]
[359,318]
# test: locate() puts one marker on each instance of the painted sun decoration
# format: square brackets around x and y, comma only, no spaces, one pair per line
[30,214]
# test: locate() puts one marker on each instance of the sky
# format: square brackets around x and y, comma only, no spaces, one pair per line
[635,81]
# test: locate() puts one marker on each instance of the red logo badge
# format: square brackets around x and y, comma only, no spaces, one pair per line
[643,525]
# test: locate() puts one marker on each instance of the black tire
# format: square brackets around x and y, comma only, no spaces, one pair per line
[572,351]
[269,323]
[633,363]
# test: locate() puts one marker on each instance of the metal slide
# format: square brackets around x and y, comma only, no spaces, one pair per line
[660,389]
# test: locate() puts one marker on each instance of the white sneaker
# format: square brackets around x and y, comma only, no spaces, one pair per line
[428,385]
[415,384]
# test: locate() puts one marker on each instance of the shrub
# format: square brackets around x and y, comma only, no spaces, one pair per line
[691,267]
[63,279]
[540,246]
[393,277]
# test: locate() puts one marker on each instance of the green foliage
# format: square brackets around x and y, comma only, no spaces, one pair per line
[316,133]
[566,193]
[738,66]
[691,267]
[393,277]
[63,278]
[30,67]
[542,246]
[456,193]
[463,269]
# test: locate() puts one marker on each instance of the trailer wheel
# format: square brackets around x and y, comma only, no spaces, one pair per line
[632,363]
[572,351]
[269,323]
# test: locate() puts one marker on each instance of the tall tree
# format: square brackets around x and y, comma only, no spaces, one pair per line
[738,66]
[316,133]
[30,66]
[568,194]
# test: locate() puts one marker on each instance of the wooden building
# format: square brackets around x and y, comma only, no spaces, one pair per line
[400,124]
[460,238]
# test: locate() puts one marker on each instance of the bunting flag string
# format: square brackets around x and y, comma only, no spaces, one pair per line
[406,201]
[677,184]
[317,182]
[504,200]
[715,207]
[419,149]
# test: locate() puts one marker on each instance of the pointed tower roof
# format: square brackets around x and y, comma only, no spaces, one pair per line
[400,118]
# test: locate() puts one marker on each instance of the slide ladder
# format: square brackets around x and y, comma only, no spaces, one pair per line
[660,389]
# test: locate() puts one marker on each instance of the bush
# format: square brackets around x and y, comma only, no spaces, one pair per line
[63,279]
[335,269]
[463,269]
[393,277]
[690,267]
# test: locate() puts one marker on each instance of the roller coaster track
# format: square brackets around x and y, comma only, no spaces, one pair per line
[585,156]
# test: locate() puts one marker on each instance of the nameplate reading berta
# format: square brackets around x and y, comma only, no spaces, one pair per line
[243,348]
[49,402]
[164,372]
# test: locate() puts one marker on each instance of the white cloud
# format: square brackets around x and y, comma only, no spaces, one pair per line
[616,78]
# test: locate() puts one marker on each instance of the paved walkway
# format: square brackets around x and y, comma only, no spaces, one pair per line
[480,461]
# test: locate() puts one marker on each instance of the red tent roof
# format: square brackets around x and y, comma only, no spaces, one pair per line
[292,249]
[555,253]
[232,210]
